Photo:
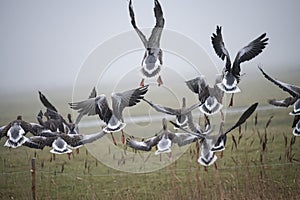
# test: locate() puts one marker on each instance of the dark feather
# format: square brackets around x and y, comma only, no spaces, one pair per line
[46,103]
[244,117]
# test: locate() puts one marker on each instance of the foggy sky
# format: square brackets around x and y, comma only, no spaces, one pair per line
[43,44]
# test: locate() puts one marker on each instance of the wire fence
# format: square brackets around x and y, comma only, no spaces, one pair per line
[264,164]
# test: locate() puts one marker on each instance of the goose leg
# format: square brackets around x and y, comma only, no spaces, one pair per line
[113,138]
[222,115]
[53,156]
[122,137]
[159,81]
[77,151]
[216,167]
[221,155]
[231,101]
[160,57]
[69,156]
[142,84]
[170,156]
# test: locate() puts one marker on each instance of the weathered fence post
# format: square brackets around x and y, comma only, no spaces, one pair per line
[33,178]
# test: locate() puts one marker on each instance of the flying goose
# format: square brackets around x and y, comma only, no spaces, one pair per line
[54,119]
[163,140]
[231,72]
[15,132]
[221,141]
[51,124]
[207,156]
[293,90]
[152,61]
[112,117]
[180,113]
[61,142]
[212,143]
[211,98]
[71,127]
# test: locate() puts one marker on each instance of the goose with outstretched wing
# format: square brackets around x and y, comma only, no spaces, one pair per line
[231,72]
[152,61]
[219,145]
[207,157]
[15,132]
[54,122]
[293,90]
[163,141]
[210,97]
[113,117]
[180,113]
[60,142]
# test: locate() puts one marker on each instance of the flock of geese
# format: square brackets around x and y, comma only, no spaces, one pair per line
[62,135]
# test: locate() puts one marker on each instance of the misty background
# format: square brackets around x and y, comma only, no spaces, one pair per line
[44,44]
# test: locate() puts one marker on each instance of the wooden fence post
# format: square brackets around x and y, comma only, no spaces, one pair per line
[33,178]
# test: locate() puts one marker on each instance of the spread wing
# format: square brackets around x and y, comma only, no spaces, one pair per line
[199,86]
[182,139]
[33,145]
[91,137]
[46,103]
[127,99]
[155,36]
[93,106]
[26,126]
[163,109]
[199,134]
[244,117]
[283,103]
[139,32]
[145,145]
[219,46]
[3,130]
[88,105]
[291,89]
[248,52]
[79,139]
[40,141]
[103,109]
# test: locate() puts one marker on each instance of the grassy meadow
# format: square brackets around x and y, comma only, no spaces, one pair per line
[262,163]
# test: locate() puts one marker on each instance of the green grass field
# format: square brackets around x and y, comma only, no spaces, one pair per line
[247,171]
[265,163]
